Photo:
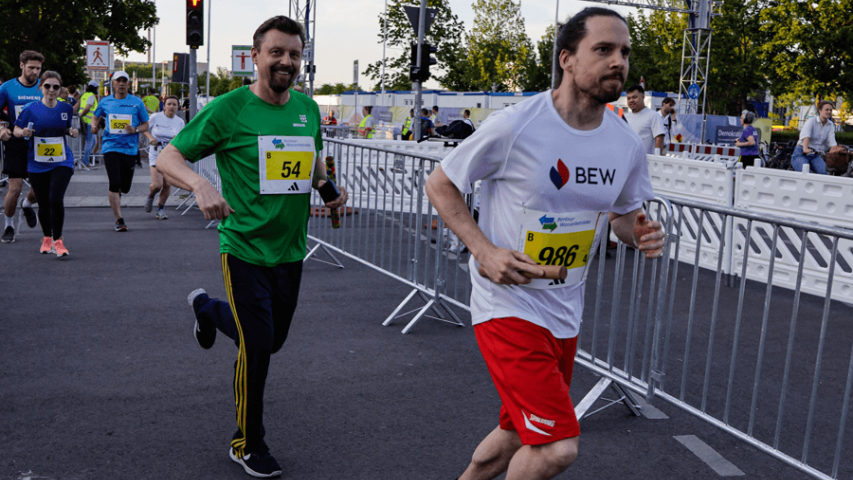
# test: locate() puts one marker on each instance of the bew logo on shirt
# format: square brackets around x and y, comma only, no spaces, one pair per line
[560,175]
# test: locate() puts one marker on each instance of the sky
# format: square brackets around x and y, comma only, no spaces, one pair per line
[346,30]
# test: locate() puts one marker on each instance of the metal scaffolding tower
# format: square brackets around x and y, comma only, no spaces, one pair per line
[696,51]
[307,17]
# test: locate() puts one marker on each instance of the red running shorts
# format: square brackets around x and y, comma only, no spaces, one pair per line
[532,371]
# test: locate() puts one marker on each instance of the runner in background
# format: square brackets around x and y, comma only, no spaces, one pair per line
[126,118]
[50,162]
[162,128]
[16,94]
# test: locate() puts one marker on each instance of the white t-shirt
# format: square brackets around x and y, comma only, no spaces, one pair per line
[530,160]
[164,129]
[668,126]
[821,135]
[648,125]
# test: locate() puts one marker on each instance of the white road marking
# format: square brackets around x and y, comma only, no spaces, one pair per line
[723,467]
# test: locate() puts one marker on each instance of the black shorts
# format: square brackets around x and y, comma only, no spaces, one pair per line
[15,157]
[119,168]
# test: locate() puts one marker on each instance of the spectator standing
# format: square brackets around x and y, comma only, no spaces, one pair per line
[434,118]
[427,127]
[647,124]
[748,140]
[152,103]
[817,135]
[366,127]
[667,113]
[88,104]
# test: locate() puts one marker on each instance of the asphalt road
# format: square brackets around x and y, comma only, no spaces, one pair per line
[100,377]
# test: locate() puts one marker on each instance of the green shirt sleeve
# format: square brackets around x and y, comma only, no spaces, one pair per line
[209,131]
[318,139]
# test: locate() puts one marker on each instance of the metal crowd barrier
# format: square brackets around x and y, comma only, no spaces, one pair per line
[390,226]
[711,351]
[772,367]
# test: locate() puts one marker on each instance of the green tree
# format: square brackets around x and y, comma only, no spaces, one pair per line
[656,42]
[809,49]
[499,51]
[336,88]
[445,34]
[538,77]
[59,28]
[736,68]
[738,72]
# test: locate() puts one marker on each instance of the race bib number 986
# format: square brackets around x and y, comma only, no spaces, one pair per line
[564,239]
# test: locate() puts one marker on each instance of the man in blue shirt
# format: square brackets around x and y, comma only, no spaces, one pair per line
[14,96]
[126,117]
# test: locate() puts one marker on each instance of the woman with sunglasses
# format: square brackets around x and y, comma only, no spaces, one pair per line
[50,163]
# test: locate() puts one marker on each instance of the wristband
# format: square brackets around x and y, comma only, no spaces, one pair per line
[329,191]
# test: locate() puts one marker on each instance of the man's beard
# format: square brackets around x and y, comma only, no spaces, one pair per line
[281,87]
[600,94]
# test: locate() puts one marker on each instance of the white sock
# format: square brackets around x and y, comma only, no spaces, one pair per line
[26,203]
[10,222]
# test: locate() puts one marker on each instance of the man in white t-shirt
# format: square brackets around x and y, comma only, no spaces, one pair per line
[644,121]
[590,168]
[667,115]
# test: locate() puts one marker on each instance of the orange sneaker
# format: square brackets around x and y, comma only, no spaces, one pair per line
[46,245]
[60,249]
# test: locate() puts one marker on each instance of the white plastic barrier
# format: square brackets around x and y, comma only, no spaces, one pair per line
[702,182]
[716,153]
[819,199]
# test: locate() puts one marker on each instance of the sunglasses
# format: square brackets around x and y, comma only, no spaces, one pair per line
[48,86]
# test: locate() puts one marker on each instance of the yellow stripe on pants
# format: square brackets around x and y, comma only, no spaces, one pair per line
[240,376]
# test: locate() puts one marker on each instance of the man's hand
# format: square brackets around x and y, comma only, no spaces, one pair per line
[504,266]
[649,236]
[338,202]
[130,129]
[211,202]
[5,134]
[95,127]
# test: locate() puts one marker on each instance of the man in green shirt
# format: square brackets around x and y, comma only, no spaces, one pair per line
[267,141]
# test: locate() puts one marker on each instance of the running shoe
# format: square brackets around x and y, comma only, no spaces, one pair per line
[204,331]
[161,215]
[30,214]
[8,235]
[60,249]
[148,204]
[120,226]
[46,245]
[257,465]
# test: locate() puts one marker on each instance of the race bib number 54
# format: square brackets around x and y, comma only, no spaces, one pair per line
[285,164]
[565,239]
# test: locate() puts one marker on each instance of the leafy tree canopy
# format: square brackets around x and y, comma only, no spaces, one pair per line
[58,30]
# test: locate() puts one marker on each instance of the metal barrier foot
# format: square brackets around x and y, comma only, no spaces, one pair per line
[313,251]
[431,304]
[625,397]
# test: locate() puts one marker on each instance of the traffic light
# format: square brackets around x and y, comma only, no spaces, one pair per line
[426,60]
[421,74]
[195,23]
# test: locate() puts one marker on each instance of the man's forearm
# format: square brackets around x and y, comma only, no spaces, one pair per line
[172,164]
[448,201]
[623,226]
[319,172]
[659,141]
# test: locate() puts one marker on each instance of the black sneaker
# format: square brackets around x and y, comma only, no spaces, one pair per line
[30,215]
[8,235]
[120,226]
[204,331]
[257,465]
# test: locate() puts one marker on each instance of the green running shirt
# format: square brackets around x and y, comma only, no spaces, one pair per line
[247,133]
